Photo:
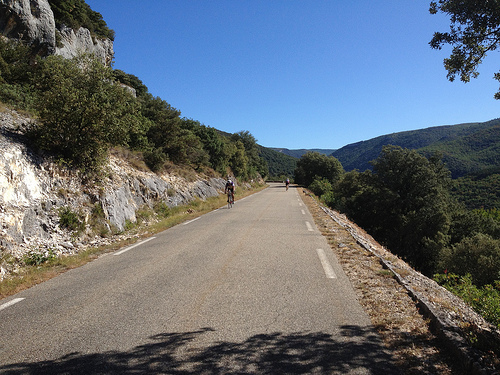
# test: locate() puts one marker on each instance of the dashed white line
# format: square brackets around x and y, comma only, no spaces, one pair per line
[327,267]
[131,247]
[303,212]
[309,227]
[10,303]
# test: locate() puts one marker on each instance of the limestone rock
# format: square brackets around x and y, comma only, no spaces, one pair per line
[32,21]
[80,41]
[33,191]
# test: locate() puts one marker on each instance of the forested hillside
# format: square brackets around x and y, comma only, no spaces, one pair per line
[299,152]
[281,166]
[410,204]
[466,147]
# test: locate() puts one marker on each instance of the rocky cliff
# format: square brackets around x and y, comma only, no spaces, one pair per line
[33,22]
[33,191]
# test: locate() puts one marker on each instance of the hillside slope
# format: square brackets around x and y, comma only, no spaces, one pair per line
[466,148]
[299,152]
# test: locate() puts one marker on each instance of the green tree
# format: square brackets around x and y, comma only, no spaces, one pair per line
[132,81]
[403,203]
[321,186]
[83,112]
[414,196]
[212,142]
[315,165]
[478,256]
[474,32]
[255,164]
[16,74]
[76,14]
[239,159]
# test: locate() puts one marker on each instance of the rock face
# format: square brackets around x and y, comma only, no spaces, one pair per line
[33,22]
[80,41]
[33,191]
[30,21]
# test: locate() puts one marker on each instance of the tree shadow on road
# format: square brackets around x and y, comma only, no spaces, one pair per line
[356,350]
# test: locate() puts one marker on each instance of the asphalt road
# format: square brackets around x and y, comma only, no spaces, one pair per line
[250,290]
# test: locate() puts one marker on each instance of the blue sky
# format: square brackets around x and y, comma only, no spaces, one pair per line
[298,73]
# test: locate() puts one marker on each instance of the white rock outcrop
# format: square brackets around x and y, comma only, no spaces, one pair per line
[33,191]
[81,41]
[33,22]
[30,21]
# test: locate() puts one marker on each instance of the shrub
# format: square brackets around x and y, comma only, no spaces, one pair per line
[478,256]
[70,220]
[314,165]
[36,258]
[83,113]
[485,300]
[320,186]
[162,209]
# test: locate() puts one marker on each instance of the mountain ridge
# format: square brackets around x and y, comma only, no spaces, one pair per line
[463,146]
[297,153]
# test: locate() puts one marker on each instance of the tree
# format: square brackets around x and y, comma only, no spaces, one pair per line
[313,165]
[414,198]
[474,32]
[255,164]
[76,14]
[83,112]
[212,142]
[478,256]
[403,203]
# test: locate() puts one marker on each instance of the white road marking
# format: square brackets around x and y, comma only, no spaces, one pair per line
[303,212]
[13,302]
[190,221]
[327,267]
[309,227]
[300,204]
[131,247]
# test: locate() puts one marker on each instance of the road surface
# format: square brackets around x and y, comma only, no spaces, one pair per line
[250,290]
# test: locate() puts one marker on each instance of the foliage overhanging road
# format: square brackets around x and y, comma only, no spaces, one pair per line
[253,289]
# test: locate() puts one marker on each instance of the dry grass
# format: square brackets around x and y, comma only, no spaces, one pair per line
[392,311]
[29,276]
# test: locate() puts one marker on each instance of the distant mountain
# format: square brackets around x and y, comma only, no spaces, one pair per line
[466,148]
[280,164]
[298,153]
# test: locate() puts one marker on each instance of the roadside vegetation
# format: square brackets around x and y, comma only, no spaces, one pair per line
[407,205]
[84,109]
[38,266]
[447,229]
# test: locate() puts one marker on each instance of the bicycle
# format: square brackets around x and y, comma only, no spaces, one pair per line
[230,199]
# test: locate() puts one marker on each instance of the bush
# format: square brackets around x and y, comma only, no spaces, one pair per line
[478,256]
[76,14]
[70,220]
[83,113]
[36,258]
[314,165]
[162,209]
[320,186]
[485,300]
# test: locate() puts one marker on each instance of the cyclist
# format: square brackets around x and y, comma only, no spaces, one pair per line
[229,188]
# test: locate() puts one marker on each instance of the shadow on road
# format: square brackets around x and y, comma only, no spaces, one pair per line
[354,349]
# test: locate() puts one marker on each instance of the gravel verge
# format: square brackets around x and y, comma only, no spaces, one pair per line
[428,329]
